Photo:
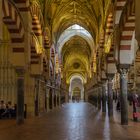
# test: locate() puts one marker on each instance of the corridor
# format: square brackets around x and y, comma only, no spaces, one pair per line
[72,121]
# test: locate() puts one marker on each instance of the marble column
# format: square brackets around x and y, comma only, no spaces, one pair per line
[123,90]
[20,95]
[110,96]
[104,97]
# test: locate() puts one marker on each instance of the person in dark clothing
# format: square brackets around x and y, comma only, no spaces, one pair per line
[118,107]
[2,108]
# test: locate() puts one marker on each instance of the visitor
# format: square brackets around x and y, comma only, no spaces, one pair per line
[2,108]
[118,107]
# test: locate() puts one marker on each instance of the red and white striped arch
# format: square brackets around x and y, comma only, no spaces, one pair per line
[127,41]
[13,20]
[109,26]
[46,35]
[45,66]
[102,39]
[52,53]
[37,19]
[37,26]
[23,5]
[119,8]
[111,67]
[46,42]
[35,58]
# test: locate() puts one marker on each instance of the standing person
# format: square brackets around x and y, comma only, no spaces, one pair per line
[118,107]
[135,104]
[2,108]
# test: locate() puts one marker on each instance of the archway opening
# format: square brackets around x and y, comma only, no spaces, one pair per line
[76,89]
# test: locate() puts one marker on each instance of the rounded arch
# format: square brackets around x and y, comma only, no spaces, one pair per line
[77,75]
[47,36]
[37,31]
[68,34]
[119,9]
[127,41]
[36,13]
[11,16]
[37,20]
[64,17]
[76,87]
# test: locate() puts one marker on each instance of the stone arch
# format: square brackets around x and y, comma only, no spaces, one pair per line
[14,22]
[65,37]
[52,52]
[37,18]
[35,50]
[76,81]
[119,9]
[77,75]
[12,31]
[44,66]
[37,26]
[109,44]
[128,35]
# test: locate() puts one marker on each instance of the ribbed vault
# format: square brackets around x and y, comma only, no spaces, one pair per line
[89,14]
[75,48]
[76,56]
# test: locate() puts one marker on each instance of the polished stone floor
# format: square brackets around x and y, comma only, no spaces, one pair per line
[73,121]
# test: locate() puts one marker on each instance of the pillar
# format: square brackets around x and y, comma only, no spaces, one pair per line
[110,96]
[59,102]
[47,98]
[123,90]
[20,95]
[66,97]
[1,22]
[99,97]
[104,97]
[137,22]
[36,96]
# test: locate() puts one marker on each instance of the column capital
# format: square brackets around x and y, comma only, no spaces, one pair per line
[123,66]
[123,72]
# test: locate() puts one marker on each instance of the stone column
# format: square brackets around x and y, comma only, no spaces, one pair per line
[99,97]
[104,97]
[59,102]
[66,97]
[36,96]
[137,22]
[1,22]
[123,89]
[47,98]
[110,96]
[20,95]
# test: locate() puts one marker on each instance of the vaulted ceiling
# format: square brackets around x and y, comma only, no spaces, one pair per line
[76,54]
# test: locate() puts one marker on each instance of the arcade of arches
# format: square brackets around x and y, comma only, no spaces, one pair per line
[53,51]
